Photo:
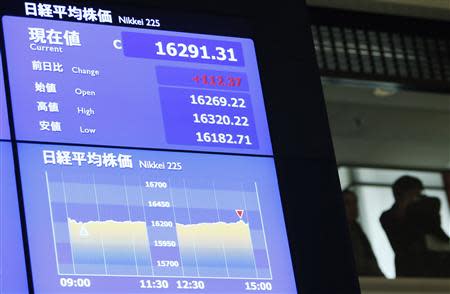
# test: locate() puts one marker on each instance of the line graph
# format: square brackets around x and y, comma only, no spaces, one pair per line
[122,245]
[120,225]
[218,246]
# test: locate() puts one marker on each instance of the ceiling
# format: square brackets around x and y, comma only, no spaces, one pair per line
[430,9]
[396,128]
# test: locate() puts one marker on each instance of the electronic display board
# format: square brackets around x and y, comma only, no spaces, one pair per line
[133,219]
[13,277]
[108,85]
[143,153]
[123,220]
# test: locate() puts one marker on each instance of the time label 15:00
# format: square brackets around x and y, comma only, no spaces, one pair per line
[192,51]
[223,138]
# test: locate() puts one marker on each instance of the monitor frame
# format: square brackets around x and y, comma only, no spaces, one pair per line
[303,151]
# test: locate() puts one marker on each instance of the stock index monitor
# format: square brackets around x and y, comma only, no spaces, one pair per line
[164,89]
[158,149]
[145,156]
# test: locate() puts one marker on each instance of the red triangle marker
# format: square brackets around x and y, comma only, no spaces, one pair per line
[240,212]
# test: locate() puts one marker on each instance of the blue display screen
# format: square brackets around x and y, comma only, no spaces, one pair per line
[124,220]
[145,158]
[13,277]
[115,86]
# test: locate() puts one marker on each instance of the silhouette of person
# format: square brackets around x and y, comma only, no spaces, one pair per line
[424,215]
[407,224]
[366,262]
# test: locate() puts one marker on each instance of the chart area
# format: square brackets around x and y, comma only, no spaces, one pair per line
[187,230]
[134,220]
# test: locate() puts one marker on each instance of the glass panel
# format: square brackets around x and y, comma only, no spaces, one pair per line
[388,176]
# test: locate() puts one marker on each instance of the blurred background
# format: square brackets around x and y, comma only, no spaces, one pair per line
[385,67]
